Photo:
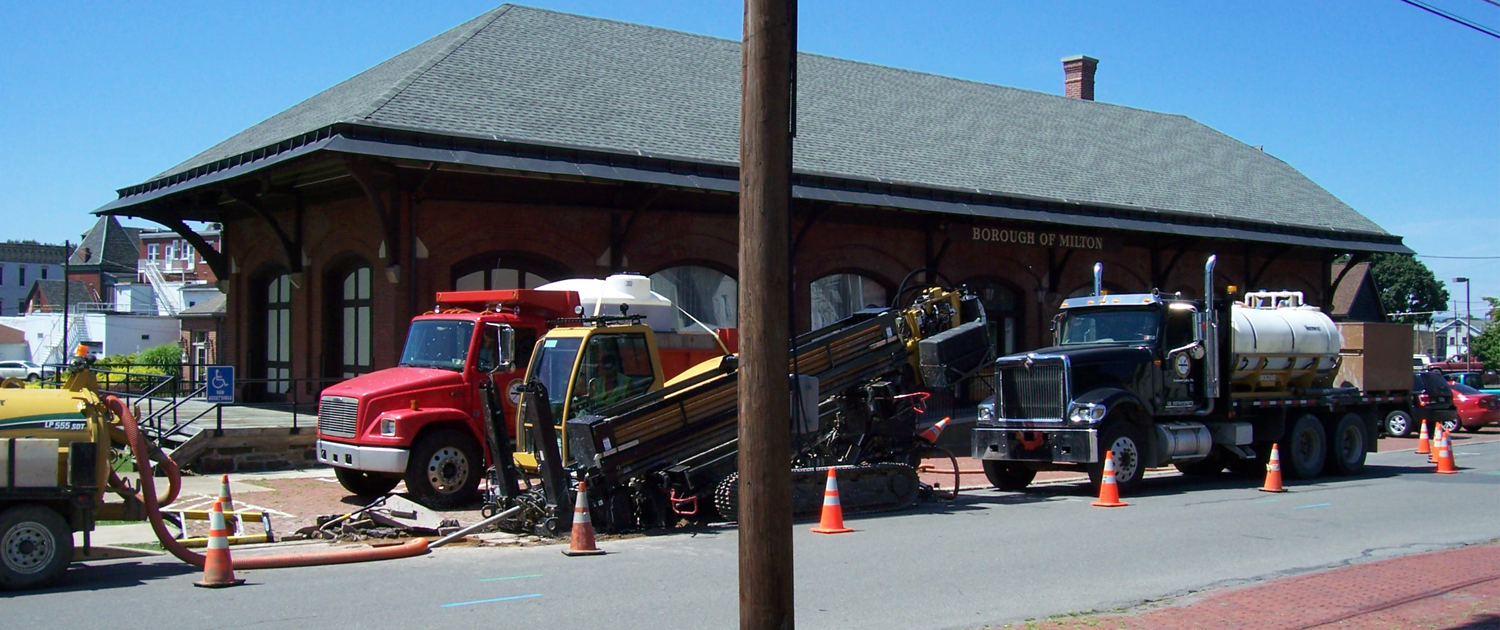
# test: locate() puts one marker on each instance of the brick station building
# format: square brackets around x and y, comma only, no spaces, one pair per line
[528,145]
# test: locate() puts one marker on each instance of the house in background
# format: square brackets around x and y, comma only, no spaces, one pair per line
[13,344]
[21,265]
[1448,338]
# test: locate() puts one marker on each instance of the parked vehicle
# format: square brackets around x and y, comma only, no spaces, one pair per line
[423,422]
[1432,401]
[1156,379]
[1487,382]
[24,370]
[1476,409]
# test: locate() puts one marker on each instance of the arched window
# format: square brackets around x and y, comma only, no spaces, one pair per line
[353,320]
[839,295]
[506,270]
[278,340]
[709,295]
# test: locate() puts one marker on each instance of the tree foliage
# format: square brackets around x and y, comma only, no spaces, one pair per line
[1486,345]
[1408,286]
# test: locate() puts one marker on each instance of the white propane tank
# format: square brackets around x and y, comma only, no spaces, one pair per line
[624,288]
[1280,343]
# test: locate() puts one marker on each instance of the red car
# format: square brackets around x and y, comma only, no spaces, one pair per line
[1475,408]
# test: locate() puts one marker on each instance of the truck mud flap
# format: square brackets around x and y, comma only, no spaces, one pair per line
[862,488]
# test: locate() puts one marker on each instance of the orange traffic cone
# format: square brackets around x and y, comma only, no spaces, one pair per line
[218,569]
[930,436]
[581,542]
[232,525]
[1109,490]
[1424,444]
[1273,472]
[1445,463]
[832,521]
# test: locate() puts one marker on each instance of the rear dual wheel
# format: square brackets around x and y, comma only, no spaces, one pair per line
[1348,445]
[1306,448]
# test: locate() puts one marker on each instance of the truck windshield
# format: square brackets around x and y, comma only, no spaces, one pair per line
[436,343]
[553,366]
[1112,325]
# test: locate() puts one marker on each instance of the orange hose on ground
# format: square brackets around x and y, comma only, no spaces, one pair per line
[414,547]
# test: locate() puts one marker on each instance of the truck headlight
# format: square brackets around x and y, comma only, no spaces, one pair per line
[986,413]
[1086,412]
[387,426]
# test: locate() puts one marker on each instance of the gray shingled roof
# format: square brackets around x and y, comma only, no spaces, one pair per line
[211,307]
[109,245]
[51,292]
[541,77]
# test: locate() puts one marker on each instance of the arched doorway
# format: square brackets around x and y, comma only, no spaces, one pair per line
[836,296]
[348,343]
[710,295]
[1002,309]
[270,348]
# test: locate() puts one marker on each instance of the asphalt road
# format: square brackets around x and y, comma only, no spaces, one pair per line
[989,558]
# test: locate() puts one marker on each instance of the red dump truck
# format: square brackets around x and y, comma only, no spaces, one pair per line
[421,420]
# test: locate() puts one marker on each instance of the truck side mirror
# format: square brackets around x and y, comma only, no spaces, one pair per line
[505,348]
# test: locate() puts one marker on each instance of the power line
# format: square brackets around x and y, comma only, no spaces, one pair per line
[1494,2]
[1438,12]
[1459,257]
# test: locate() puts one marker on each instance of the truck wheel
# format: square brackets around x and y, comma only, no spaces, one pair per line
[1008,477]
[1125,441]
[1398,423]
[1306,448]
[1346,447]
[365,484]
[36,546]
[444,469]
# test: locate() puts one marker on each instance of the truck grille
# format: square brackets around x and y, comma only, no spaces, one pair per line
[338,416]
[1037,392]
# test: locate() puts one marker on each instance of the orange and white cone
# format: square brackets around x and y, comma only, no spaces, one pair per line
[930,436]
[1424,443]
[1445,463]
[218,569]
[233,525]
[1273,472]
[581,542]
[832,521]
[1109,489]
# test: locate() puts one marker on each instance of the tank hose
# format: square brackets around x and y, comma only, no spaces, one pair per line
[174,474]
[957,474]
[414,547]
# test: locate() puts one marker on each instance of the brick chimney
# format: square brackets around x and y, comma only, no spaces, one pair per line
[1078,73]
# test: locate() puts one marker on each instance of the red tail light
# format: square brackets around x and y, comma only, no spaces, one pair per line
[1423,398]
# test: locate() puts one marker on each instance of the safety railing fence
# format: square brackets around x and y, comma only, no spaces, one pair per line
[168,400]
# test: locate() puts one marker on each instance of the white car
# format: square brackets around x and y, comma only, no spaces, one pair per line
[24,370]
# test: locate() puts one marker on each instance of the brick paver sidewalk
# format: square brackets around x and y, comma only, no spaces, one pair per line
[1455,589]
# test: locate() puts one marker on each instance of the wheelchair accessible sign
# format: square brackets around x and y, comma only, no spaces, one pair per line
[220,386]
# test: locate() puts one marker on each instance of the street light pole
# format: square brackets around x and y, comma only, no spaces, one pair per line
[1468,316]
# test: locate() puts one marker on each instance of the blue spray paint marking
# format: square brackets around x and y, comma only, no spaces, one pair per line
[491,601]
[513,577]
[1303,507]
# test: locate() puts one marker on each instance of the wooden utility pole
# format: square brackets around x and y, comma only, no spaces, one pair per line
[765,493]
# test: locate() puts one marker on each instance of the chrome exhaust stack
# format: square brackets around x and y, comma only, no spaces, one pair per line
[1098,278]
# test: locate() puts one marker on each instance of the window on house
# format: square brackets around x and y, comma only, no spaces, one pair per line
[2,275]
[152,251]
[187,250]
[710,295]
[44,272]
[145,337]
[21,276]
[171,251]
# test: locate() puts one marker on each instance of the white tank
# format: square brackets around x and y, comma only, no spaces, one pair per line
[604,297]
[1279,343]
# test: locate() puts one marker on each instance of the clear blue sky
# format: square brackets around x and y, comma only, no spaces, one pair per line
[1392,109]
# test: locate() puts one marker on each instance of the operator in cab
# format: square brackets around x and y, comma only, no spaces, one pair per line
[610,386]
